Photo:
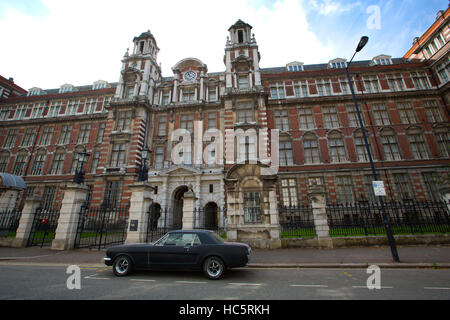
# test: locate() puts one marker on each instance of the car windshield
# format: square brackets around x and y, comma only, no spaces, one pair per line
[216,237]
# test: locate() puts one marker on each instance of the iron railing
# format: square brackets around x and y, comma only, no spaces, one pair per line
[163,220]
[297,222]
[160,221]
[408,217]
[101,227]
[44,227]
[9,222]
[213,220]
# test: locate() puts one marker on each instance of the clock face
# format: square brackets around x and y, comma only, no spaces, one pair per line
[190,75]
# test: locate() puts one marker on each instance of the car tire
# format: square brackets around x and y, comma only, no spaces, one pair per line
[122,266]
[213,268]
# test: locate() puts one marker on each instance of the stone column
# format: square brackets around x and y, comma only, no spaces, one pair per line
[75,196]
[188,210]
[444,189]
[275,230]
[32,203]
[318,204]
[8,199]
[138,219]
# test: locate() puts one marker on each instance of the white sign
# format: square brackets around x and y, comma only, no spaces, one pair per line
[378,188]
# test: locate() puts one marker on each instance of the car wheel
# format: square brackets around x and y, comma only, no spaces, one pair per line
[122,266]
[213,268]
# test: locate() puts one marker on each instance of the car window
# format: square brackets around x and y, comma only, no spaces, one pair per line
[173,239]
[190,239]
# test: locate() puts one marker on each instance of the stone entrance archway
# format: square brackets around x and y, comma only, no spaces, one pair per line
[178,194]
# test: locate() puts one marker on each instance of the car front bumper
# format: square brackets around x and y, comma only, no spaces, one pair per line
[108,261]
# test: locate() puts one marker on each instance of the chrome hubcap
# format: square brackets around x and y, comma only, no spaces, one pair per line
[214,268]
[122,265]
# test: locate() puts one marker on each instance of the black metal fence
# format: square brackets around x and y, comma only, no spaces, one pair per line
[9,222]
[101,227]
[409,217]
[44,227]
[162,220]
[297,222]
[213,219]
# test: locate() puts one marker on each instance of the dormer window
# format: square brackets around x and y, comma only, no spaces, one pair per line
[35,91]
[100,85]
[295,66]
[66,88]
[381,60]
[337,64]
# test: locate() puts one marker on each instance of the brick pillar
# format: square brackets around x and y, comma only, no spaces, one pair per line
[138,215]
[318,203]
[32,203]
[188,210]
[74,197]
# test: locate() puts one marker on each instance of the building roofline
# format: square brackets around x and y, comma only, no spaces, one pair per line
[426,35]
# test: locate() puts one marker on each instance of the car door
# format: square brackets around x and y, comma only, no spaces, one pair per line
[193,250]
[168,253]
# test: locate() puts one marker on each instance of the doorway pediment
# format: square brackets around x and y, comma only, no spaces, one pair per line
[182,171]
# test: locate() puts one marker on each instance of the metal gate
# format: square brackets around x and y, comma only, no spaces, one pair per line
[44,227]
[159,222]
[101,227]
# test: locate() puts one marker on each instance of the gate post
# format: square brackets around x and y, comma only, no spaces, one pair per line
[139,205]
[444,189]
[31,204]
[318,204]
[74,197]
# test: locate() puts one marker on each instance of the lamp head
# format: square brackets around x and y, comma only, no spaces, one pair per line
[146,153]
[362,43]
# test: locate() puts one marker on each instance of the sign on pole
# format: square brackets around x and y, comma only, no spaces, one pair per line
[378,188]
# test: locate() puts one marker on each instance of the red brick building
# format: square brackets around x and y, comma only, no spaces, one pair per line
[404,102]
[8,89]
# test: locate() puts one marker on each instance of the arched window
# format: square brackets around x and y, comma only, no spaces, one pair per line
[337,147]
[361,150]
[4,159]
[443,140]
[58,162]
[38,163]
[285,147]
[417,143]
[311,151]
[20,163]
[390,145]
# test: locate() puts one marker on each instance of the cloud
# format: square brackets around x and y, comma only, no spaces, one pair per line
[82,41]
[330,7]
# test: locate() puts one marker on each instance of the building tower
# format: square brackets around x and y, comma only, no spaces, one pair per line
[251,193]
[127,126]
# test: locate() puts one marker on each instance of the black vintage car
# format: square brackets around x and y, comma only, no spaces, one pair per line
[180,250]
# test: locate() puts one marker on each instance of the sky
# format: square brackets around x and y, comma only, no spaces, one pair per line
[48,43]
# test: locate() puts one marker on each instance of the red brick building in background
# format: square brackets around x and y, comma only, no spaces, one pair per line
[8,89]
[404,102]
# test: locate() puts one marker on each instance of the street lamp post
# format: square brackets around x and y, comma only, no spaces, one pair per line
[143,170]
[82,158]
[387,226]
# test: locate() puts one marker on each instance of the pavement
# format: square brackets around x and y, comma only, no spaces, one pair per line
[355,257]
